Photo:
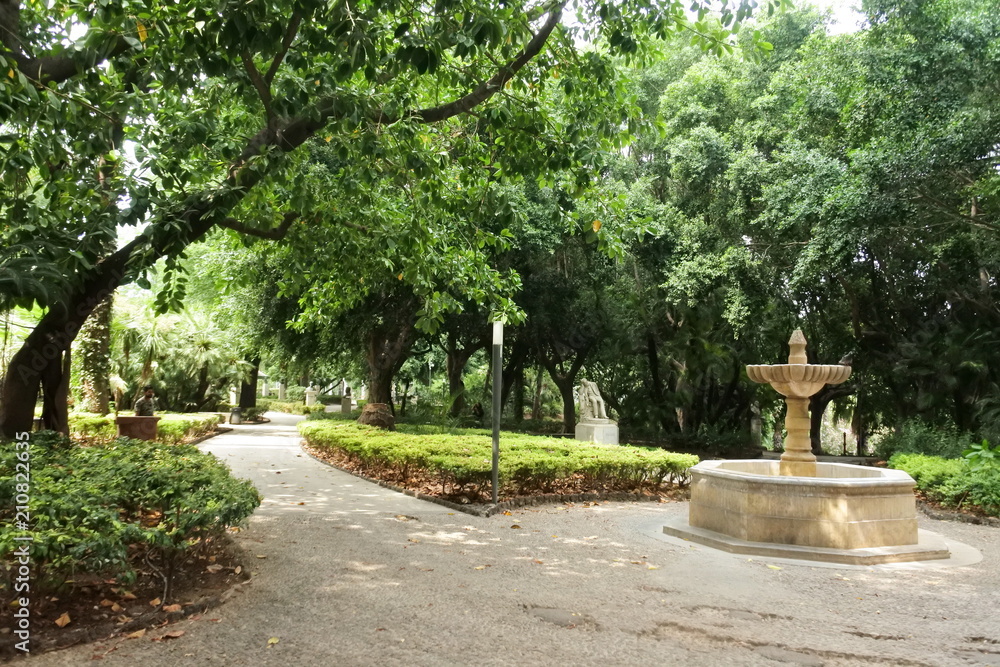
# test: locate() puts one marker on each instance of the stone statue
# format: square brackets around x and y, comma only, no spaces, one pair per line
[591,403]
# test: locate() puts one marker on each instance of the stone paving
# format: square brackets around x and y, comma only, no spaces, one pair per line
[349,573]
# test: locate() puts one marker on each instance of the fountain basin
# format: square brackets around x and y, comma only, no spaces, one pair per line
[847,513]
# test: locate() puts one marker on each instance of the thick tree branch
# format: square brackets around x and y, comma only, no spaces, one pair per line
[286,43]
[296,131]
[49,69]
[263,89]
[491,86]
[275,234]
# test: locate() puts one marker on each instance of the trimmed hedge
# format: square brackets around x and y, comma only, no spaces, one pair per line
[463,458]
[952,482]
[290,407]
[171,429]
[97,510]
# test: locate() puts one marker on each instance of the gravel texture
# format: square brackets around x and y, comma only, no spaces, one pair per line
[345,572]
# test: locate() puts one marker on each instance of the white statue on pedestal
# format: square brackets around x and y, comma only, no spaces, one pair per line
[594,425]
[591,403]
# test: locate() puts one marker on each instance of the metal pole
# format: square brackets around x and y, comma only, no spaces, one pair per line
[497,390]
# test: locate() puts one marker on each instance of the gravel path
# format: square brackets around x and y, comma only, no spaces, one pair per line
[348,573]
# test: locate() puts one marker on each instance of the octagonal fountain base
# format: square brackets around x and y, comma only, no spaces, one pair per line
[846,514]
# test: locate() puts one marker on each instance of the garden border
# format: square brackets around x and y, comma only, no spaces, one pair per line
[486,511]
[961,517]
[152,619]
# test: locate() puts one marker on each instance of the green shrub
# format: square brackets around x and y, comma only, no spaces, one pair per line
[97,510]
[916,437]
[979,455]
[952,482]
[463,457]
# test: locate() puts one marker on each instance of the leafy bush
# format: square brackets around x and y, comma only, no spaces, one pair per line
[952,482]
[463,457]
[916,437]
[342,416]
[979,455]
[96,510]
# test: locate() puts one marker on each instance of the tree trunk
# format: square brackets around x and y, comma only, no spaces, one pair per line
[456,360]
[662,414]
[248,388]
[201,393]
[385,355]
[817,407]
[55,392]
[569,403]
[94,353]
[518,390]
[536,401]
[513,369]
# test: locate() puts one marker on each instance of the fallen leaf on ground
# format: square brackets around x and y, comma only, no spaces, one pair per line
[515,526]
[128,596]
[137,634]
[155,602]
[106,602]
[413,540]
[272,641]
[172,607]
[173,634]
[117,608]
[239,568]
[63,620]
[774,567]
[260,556]
[213,568]
[482,567]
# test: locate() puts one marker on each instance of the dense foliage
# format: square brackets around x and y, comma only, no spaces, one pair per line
[460,459]
[96,510]
[953,482]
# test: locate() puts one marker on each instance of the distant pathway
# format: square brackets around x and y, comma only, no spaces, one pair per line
[348,573]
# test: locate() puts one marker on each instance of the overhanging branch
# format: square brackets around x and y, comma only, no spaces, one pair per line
[275,234]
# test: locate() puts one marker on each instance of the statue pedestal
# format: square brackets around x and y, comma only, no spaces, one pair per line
[601,431]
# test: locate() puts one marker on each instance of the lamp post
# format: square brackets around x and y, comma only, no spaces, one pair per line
[497,390]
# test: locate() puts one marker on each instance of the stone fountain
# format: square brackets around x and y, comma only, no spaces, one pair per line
[798,508]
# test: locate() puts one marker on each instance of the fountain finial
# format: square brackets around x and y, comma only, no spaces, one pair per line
[797,348]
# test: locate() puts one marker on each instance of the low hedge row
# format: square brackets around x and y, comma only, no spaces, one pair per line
[95,511]
[288,407]
[171,429]
[953,482]
[463,459]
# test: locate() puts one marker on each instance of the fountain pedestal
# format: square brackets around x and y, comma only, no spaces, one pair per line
[797,459]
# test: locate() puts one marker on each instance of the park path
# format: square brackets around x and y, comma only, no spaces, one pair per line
[348,573]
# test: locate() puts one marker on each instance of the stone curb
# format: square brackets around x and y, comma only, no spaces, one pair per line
[486,511]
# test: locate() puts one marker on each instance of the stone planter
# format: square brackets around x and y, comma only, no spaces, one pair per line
[140,428]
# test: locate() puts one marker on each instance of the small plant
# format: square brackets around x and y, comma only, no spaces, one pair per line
[979,455]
